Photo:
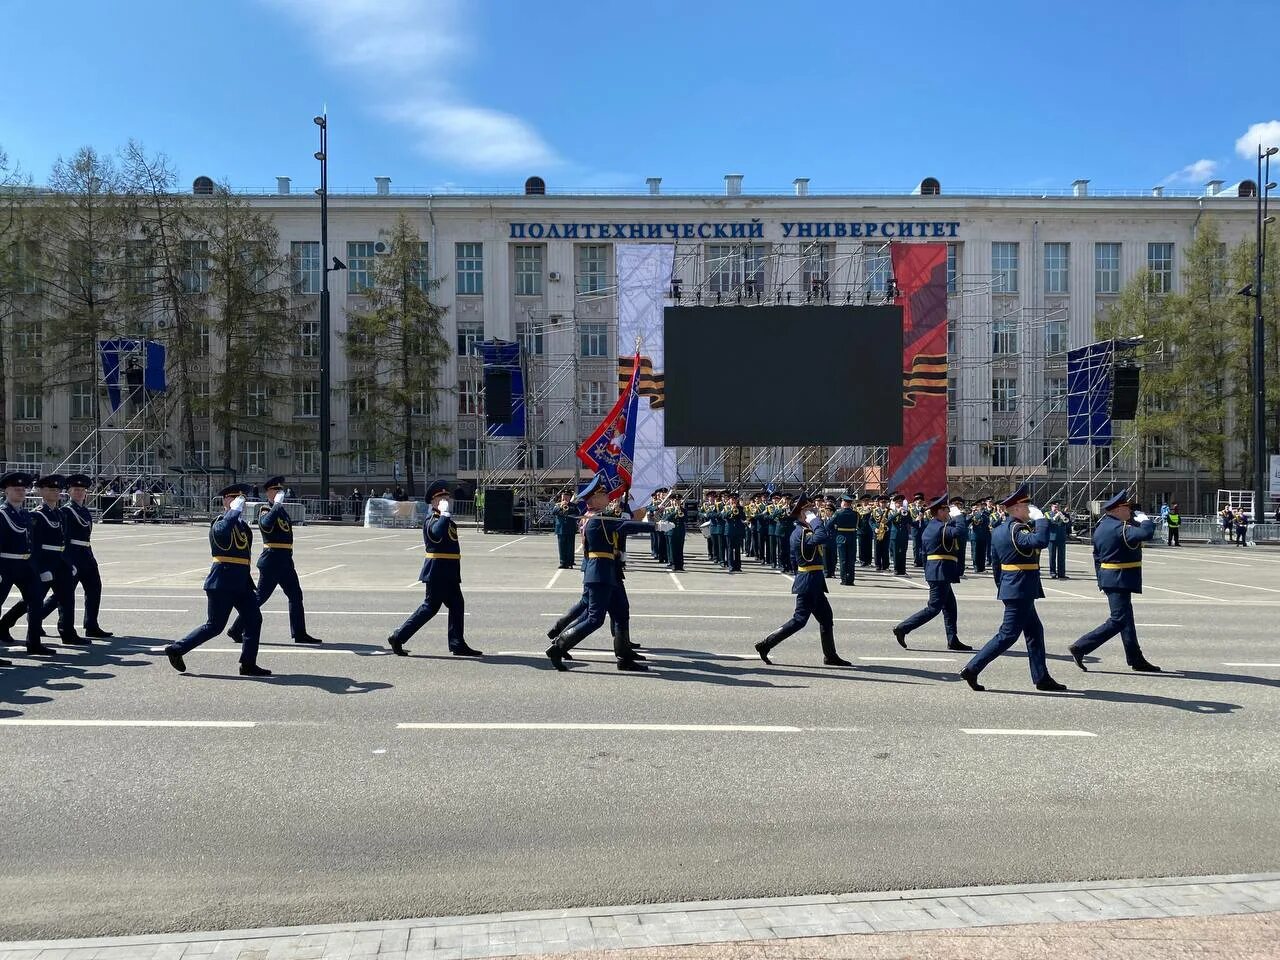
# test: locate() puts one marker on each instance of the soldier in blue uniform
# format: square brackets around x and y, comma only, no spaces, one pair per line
[919,520]
[77,522]
[657,541]
[786,528]
[1117,556]
[865,531]
[229,586]
[1059,527]
[964,537]
[774,530]
[846,530]
[735,528]
[1016,546]
[899,534]
[942,543]
[442,574]
[53,566]
[16,566]
[980,534]
[673,513]
[808,542]
[275,564]
[565,514]
[828,513]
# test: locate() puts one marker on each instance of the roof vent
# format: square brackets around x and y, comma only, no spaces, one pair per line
[1213,188]
[1246,188]
[733,184]
[1079,188]
[202,187]
[282,185]
[655,185]
[535,187]
[384,185]
[802,186]
[929,187]
[1157,191]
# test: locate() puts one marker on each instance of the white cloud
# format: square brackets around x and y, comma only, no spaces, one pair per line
[1197,172]
[405,51]
[1267,134]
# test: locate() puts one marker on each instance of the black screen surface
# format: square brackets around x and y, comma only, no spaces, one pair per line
[783,376]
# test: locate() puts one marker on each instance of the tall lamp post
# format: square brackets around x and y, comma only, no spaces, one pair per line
[1260,471]
[322,155]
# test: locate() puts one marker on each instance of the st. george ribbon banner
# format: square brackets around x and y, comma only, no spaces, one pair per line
[610,449]
[920,463]
[644,277]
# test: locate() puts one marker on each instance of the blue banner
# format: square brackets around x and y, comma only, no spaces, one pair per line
[503,357]
[142,368]
[1089,394]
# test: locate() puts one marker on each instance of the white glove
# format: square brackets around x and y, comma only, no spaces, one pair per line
[810,518]
[46,577]
[443,508]
[1035,513]
[665,526]
[279,497]
[956,511]
[237,505]
[1140,516]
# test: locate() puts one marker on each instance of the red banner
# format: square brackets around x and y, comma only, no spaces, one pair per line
[920,464]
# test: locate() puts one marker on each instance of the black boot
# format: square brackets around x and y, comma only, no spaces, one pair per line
[253,670]
[559,626]
[829,655]
[1078,657]
[772,640]
[97,633]
[623,648]
[901,636]
[957,645]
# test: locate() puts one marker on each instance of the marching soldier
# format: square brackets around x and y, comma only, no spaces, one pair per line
[995,516]
[673,513]
[846,524]
[865,531]
[77,521]
[880,525]
[16,566]
[442,574]
[964,546]
[229,586]
[899,534]
[807,544]
[919,520]
[980,534]
[275,564]
[1059,527]
[565,516]
[1117,555]
[942,543]
[53,567]
[1016,546]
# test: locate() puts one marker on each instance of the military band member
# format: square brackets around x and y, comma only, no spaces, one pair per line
[442,575]
[1117,556]
[808,540]
[52,563]
[786,528]
[899,534]
[229,586]
[1059,528]
[964,547]
[735,527]
[995,516]
[565,517]
[776,549]
[673,513]
[880,529]
[943,543]
[711,515]
[657,541]
[16,566]
[919,520]
[275,563]
[1016,546]
[865,532]
[846,524]
[980,534]
[828,514]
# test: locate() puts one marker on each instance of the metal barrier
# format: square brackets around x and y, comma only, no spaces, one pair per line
[394,514]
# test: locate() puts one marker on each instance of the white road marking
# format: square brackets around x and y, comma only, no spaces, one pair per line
[348,543]
[415,546]
[623,727]
[156,543]
[1182,593]
[263,648]
[1065,593]
[31,722]
[507,544]
[978,732]
[554,577]
[1225,563]
[864,620]
[1250,586]
[913,659]
[1232,664]
[1143,626]
[337,566]
[143,610]
[679,616]
[676,581]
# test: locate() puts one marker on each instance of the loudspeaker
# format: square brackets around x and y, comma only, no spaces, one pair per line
[497,397]
[1124,393]
[499,510]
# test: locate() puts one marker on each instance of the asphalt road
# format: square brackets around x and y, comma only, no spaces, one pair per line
[718,776]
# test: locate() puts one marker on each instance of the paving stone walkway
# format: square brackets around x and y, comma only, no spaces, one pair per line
[1082,919]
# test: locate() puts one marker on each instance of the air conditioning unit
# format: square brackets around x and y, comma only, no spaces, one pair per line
[381,248]
[554,276]
[281,452]
[162,323]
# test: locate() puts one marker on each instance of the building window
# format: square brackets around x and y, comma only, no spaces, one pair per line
[594,339]
[358,397]
[253,456]
[305,255]
[1055,337]
[419,458]
[1004,337]
[1004,395]
[951,455]
[306,401]
[362,461]
[470,332]
[468,453]
[468,397]
[82,400]
[877,266]
[470,268]
[1055,454]
[138,267]
[24,259]
[529,269]
[953,267]
[1106,267]
[951,337]
[200,397]
[595,397]
[1160,263]
[198,453]
[255,401]
[1004,451]
[28,338]
[309,331]
[306,461]
[816,273]
[1057,267]
[419,407]
[201,330]
[1055,389]
[951,393]
[195,266]
[420,269]
[30,453]
[593,262]
[529,336]
[753,261]
[360,259]
[1004,267]
[28,401]
[723,268]
[1158,453]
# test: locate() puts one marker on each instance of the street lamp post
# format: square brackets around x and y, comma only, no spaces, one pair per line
[1259,357]
[322,155]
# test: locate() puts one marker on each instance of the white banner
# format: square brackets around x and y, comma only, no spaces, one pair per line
[1275,475]
[644,275]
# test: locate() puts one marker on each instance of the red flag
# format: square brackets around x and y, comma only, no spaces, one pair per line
[610,448]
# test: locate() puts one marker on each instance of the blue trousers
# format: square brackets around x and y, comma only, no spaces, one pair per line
[1020,617]
[221,603]
[981,551]
[21,574]
[675,549]
[1120,620]
[846,553]
[1058,557]
[942,600]
[917,547]
[277,573]
[437,596]
[564,541]
[88,577]
[53,578]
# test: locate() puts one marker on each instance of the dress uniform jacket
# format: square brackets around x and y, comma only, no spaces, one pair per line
[807,554]
[1016,546]
[1117,553]
[17,569]
[943,548]
[442,565]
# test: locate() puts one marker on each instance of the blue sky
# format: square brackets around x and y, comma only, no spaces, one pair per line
[599,95]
